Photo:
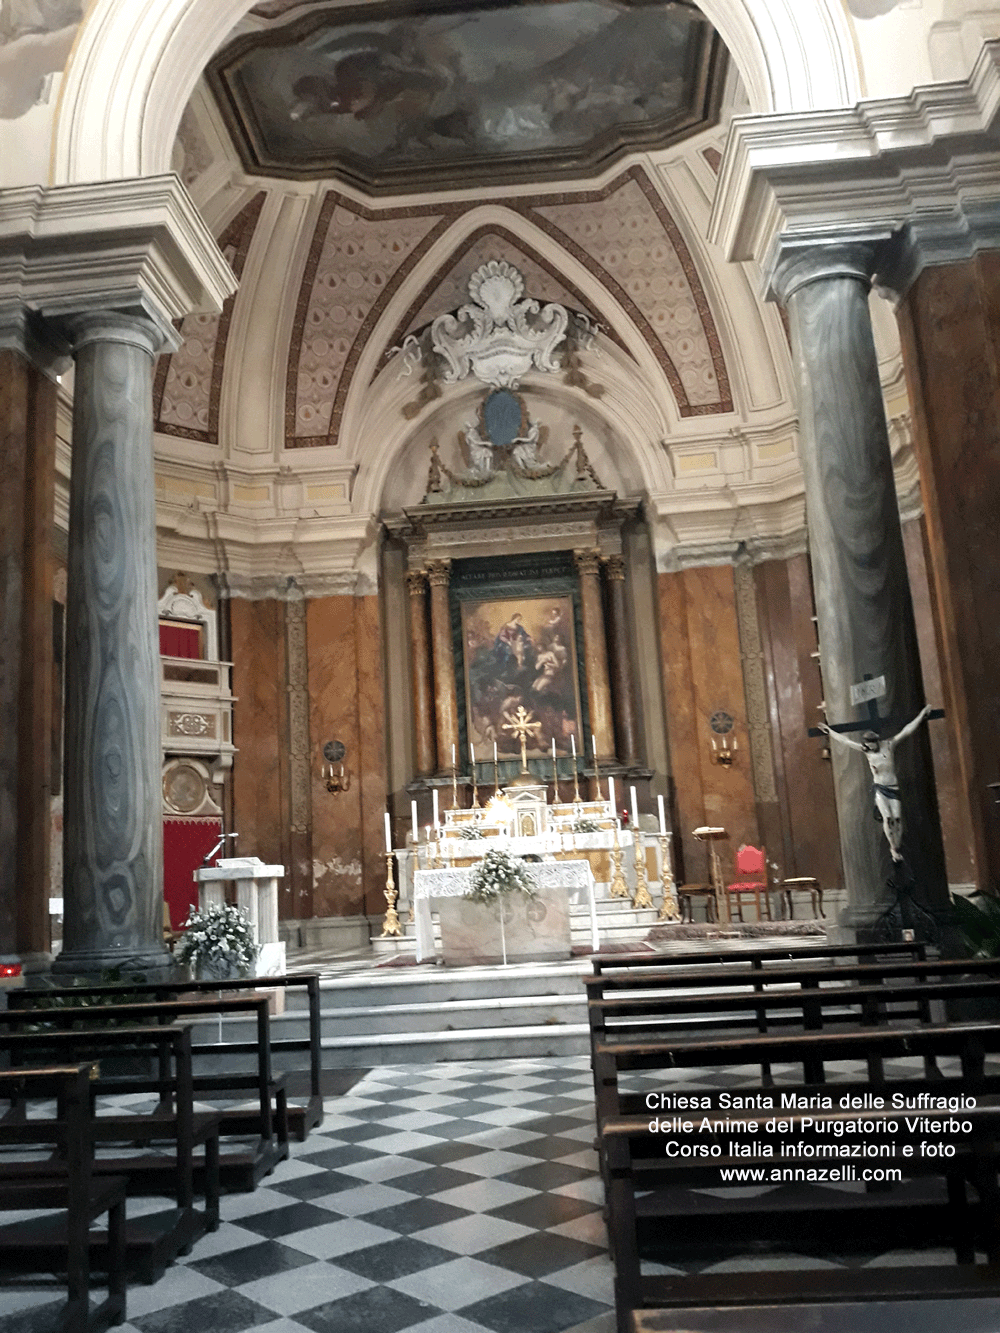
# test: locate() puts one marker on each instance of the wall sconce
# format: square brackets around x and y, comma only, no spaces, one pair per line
[722,752]
[335,780]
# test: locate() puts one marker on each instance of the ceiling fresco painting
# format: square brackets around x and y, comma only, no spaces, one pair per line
[388,95]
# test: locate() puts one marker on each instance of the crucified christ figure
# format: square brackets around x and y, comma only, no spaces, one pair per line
[879,754]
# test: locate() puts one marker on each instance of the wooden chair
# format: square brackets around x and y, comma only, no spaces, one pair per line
[786,887]
[686,893]
[751,866]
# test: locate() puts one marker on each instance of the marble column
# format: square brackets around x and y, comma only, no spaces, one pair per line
[113,834]
[420,663]
[27,461]
[595,647]
[445,696]
[863,606]
[623,689]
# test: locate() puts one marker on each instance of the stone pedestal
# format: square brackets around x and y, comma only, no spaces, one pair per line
[256,896]
[863,606]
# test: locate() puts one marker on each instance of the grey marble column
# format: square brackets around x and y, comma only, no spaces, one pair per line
[863,605]
[113,827]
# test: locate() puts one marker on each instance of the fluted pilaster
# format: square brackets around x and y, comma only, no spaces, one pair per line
[445,696]
[588,564]
[420,662]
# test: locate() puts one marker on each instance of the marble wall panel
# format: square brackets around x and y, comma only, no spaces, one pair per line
[27,458]
[808,841]
[260,795]
[950,332]
[338,871]
[371,742]
[955,829]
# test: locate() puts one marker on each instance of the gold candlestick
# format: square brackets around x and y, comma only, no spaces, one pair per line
[576,784]
[475,788]
[392,926]
[438,860]
[619,889]
[669,910]
[642,898]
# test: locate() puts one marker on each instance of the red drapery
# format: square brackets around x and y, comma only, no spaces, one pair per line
[186,843]
[180,640]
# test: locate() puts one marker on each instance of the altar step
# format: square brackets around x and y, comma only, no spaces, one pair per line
[397,1016]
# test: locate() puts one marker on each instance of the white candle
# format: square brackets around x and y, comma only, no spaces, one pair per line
[572,741]
[494,754]
[434,800]
[388,835]
[472,754]
[413,821]
[453,764]
[611,795]
[734,742]
[714,746]
[663,817]
[593,746]
[635,811]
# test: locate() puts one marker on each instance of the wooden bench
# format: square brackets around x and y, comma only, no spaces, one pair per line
[301,1118]
[63,1242]
[645,1185]
[169,1137]
[241,1168]
[755,958]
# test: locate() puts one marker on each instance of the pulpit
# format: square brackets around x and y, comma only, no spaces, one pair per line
[256,896]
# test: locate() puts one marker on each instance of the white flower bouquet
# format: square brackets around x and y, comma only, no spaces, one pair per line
[471,832]
[497,875]
[218,942]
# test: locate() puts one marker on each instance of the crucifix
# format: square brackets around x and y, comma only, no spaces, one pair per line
[521,726]
[879,752]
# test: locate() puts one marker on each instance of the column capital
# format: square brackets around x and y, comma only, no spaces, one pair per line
[802,263]
[135,247]
[870,172]
[614,568]
[439,573]
[134,327]
[588,561]
[416,582]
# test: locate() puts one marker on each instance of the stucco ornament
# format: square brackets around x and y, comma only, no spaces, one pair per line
[499,335]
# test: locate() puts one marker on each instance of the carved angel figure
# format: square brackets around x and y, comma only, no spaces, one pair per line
[480,451]
[524,449]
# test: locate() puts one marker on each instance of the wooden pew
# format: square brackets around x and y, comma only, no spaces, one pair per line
[156,1239]
[754,957]
[63,1242]
[241,1168]
[625,1142]
[301,1118]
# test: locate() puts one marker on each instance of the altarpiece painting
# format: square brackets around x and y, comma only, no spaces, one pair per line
[521,652]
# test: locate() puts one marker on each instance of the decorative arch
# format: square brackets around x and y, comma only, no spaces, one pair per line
[136,62]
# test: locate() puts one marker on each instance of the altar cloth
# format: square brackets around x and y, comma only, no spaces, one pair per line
[428,884]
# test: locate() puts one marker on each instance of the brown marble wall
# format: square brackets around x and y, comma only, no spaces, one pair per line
[347,704]
[950,328]
[955,829]
[260,732]
[27,461]
[703,673]
[807,841]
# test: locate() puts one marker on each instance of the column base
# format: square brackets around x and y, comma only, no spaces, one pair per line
[155,964]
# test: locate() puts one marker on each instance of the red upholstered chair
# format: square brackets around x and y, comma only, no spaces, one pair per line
[751,867]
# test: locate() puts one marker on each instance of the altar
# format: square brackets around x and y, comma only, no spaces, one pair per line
[531,929]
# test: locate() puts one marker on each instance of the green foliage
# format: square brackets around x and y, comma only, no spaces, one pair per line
[979,924]
[497,875]
[122,994]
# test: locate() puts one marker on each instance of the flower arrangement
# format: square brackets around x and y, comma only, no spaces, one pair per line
[497,875]
[218,941]
[586,826]
[470,831]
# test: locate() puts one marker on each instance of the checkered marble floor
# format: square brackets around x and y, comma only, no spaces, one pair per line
[448,1198]
[452,1198]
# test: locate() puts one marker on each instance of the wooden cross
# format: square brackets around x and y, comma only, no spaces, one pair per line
[874,721]
[521,726]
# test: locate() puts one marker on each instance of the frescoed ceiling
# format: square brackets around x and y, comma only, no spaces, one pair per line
[392,97]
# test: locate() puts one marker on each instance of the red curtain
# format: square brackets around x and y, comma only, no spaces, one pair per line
[180,640]
[186,843]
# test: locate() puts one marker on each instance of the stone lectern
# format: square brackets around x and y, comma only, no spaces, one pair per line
[256,895]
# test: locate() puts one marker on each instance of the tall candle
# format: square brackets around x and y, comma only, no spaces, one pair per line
[453,764]
[593,745]
[663,817]
[572,741]
[388,835]
[611,795]
[413,821]
[494,754]
[434,800]
[472,754]
[635,811]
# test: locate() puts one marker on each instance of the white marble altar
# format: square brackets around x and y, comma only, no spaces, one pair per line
[563,876]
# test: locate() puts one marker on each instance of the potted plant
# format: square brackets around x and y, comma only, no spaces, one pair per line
[218,944]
